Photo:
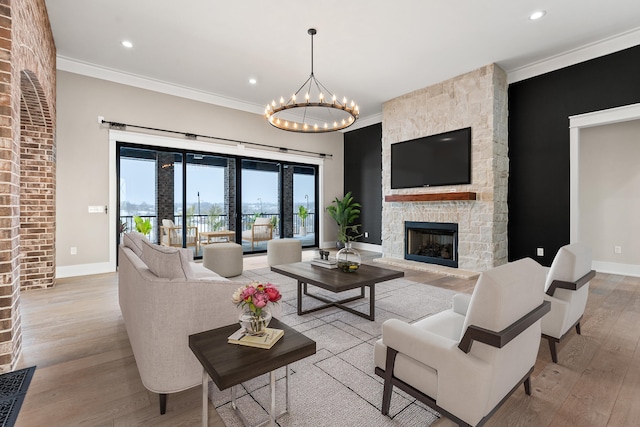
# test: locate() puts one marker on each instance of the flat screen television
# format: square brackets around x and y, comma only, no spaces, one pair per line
[435,160]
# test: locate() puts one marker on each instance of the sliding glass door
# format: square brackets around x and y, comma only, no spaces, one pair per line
[210,201]
[147,191]
[304,204]
[260,205]
[188,199]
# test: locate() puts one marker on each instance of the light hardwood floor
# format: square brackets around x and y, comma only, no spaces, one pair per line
[86,374]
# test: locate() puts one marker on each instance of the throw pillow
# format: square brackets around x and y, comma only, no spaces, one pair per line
[169,263]
[133,241]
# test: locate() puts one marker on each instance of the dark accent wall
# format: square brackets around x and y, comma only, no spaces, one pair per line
[539,110]
[363,177]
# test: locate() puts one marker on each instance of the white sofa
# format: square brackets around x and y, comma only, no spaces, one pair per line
[163,301]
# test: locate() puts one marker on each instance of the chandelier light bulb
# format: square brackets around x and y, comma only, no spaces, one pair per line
[281,100]
[293,97]
[307,97]
[321,96]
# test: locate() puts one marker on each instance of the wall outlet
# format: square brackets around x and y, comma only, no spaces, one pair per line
[96,209]
[540,251]
[366,234]
[617,249]
[74,250]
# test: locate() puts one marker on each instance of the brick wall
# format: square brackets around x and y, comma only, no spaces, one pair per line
[165,189]
[27,163]
[478,100]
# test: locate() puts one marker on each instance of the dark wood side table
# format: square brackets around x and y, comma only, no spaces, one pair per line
[229,365]
[336,280]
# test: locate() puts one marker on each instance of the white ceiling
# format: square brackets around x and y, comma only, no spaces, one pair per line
[367,50]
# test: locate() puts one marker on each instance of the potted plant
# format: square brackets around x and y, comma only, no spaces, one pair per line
[345,212]
[274,222]
[142,225]
[303,213]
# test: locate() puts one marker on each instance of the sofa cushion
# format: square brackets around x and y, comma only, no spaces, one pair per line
[169,263]
[133,240]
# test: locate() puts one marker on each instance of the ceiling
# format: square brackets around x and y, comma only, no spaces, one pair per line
[367,50]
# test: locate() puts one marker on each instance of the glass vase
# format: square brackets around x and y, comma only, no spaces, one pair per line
[253,323]
[348,259]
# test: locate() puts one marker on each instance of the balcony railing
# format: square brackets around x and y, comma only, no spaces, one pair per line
[207,223]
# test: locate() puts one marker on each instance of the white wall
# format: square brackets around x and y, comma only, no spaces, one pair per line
[609,199]
[83,175]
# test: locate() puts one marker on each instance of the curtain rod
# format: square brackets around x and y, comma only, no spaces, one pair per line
[194,136]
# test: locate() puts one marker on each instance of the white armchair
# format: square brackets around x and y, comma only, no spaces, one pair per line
[466,361]
[170,235]
[567,288]
[261,231]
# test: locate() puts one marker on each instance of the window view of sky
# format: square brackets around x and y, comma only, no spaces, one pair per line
[205,184]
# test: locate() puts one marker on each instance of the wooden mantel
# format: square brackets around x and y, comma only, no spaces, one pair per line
[430,197]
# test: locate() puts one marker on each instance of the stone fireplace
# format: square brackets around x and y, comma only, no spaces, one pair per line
[431,242]
[478,100]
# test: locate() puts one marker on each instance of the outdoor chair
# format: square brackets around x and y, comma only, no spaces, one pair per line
[171,235]
[261,231]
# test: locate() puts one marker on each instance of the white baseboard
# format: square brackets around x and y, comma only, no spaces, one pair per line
[616,268]
[84,269]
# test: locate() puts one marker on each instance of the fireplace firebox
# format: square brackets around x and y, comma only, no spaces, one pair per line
[431,242]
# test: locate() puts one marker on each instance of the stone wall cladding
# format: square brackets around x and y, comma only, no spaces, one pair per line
[478,100]
[27,70]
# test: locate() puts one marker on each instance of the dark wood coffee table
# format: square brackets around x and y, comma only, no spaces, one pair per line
[229,365]
[336,280]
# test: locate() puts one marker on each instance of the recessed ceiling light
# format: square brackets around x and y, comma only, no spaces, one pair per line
[253,81]
[537,15]
[127,43]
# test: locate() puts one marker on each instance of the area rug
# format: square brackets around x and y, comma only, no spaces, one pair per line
[337,386]
[13,389]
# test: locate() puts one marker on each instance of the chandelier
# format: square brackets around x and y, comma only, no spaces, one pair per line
[318,110]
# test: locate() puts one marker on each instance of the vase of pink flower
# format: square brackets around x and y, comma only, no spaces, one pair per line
[254,300]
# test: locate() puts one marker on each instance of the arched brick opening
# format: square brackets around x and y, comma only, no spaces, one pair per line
[37,187]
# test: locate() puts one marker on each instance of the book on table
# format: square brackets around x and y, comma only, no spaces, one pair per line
[324,263]
[270,337]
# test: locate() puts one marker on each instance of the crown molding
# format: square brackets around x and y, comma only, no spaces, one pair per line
[135,80]
[130,79]
[574,56]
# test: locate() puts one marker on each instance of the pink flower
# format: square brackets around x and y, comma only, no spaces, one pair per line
[260,299]
[248,292]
